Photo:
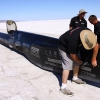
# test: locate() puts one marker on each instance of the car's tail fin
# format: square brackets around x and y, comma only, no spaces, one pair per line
[11,26]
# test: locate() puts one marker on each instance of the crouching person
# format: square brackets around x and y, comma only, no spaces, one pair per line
[69,47]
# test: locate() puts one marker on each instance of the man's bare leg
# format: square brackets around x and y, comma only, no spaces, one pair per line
[75,76]
[64,88]
[65,75]
[75,71]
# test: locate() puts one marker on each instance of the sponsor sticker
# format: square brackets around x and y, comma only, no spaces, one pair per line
[35,51]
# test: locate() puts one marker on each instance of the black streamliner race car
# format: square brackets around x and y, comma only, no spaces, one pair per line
[43,51]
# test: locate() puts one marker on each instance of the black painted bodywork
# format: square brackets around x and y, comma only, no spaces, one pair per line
[43,52]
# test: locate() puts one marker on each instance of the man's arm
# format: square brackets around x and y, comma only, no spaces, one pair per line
[75,58]
[71,23]
[94,56]
[86,24]
[97,29]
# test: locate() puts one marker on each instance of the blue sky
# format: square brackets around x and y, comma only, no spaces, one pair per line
[46,9]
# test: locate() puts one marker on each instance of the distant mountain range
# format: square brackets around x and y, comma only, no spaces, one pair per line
[2,21]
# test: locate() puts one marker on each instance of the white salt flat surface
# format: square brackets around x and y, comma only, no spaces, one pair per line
[22,80]
[46,27]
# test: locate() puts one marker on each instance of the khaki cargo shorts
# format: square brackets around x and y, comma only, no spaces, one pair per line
[67,62]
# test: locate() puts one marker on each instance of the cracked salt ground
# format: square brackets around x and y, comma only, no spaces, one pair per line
[28,82]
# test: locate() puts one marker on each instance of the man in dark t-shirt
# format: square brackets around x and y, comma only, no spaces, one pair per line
[69,47]
[93,20]
[78,21]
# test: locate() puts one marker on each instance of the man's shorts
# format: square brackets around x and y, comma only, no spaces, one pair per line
[67,62]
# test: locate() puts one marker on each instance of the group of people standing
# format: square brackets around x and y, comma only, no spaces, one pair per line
[69,47]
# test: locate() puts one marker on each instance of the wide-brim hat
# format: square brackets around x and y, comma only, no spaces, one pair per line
[88,39]
[82,11]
